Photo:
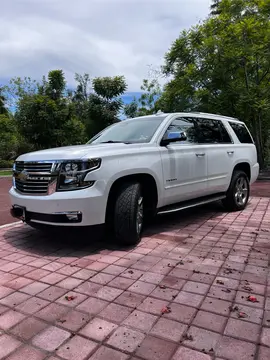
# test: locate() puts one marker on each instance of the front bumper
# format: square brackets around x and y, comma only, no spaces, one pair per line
[67,217]
[77,208]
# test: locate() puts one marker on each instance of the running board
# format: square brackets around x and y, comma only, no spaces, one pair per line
[189,204]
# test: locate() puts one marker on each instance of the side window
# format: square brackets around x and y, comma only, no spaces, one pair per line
[183,124]
[212,132]
[242,133]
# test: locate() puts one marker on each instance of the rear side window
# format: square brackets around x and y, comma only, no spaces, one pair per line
[212,132]
[242,133]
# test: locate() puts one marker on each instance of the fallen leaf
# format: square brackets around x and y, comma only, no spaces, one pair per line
[70,298]
[166,310]
[220,282]
[130,272]
[242,315]
[181,262]
[252,299]
[233,308]
[188,337]
[228,271]
[248,288]
[162,286]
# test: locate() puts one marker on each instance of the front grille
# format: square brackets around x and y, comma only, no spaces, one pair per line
[33,166]
[33,177]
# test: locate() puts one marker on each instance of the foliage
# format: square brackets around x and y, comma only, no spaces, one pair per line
[19,87]
[131,110]
[223,66]
[47,123]
[215,7]
[46,118]
[151,91]
[104,103]
[9,137]
[6,164]
[148,101]
[3,109]
[50,115]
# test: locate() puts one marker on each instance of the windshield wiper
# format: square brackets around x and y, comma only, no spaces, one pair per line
[115,142]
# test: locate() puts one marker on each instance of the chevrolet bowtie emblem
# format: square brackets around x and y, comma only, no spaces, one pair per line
[23,175]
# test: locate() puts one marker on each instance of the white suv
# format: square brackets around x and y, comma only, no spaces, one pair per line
[134,169]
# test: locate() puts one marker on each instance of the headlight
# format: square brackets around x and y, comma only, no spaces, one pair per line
[72,174]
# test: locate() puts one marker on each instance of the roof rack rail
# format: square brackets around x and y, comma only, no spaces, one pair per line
[222,116]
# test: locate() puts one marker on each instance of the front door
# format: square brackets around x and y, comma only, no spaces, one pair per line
[184,165]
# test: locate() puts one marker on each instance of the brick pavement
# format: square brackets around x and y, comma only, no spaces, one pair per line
[181,294]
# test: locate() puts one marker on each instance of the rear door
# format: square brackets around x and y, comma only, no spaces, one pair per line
[220,154]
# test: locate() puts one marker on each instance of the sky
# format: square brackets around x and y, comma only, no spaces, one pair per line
[99,37]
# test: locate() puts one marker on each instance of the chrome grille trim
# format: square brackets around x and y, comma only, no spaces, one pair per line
[35,178]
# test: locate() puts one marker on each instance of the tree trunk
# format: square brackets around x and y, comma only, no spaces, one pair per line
[256,129]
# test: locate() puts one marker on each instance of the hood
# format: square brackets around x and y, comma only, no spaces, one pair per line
[80,151]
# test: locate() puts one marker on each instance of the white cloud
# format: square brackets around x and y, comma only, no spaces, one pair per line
[100,37]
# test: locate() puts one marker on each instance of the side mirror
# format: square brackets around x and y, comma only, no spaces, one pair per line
[174,136]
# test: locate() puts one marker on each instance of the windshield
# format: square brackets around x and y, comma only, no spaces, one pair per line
[137,130]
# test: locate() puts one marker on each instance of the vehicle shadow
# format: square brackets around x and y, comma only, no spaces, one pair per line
[83,242]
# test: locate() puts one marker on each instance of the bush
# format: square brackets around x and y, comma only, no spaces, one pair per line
[6,164]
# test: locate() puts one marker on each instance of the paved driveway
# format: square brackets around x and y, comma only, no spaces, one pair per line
[196,288]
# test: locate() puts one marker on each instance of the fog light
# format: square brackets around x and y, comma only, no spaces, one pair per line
[72,217]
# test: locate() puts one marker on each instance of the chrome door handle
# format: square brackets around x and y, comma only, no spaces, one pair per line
[230,152]
[200,155]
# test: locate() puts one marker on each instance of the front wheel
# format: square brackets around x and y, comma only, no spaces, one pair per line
[129,214]
[238,193]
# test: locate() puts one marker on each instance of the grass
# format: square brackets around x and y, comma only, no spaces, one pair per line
[5,172]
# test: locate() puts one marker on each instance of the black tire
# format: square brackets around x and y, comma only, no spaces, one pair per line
[233,196]
[128,202]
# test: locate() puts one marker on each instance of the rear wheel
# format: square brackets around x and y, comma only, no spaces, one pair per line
[238,193]
[129,214]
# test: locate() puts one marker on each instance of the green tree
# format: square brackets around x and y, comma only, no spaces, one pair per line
[147,103]
[3,109]
[9,141]
[81,95]
[131,110]
[104,103]
[215,7]
[223,66]
[46,118]
[151,90]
